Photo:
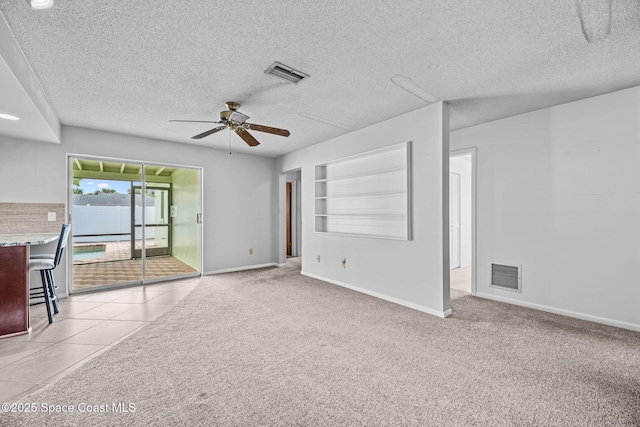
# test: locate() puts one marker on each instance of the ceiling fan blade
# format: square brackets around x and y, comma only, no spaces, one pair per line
[209,132]
[194,121]
[268,129]
[248,138]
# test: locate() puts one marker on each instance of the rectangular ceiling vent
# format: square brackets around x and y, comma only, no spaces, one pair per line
[505,276]
[282,71]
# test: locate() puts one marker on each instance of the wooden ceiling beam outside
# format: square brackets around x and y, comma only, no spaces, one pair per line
[116,176]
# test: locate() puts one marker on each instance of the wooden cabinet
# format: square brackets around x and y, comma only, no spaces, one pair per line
[365,195]
[14,280]
[14,290]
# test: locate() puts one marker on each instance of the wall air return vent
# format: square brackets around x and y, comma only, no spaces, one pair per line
[506,277]
[287,73]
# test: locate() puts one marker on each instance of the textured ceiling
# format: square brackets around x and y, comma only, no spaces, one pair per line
[130,66]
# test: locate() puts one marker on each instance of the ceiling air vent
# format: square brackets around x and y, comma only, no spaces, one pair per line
[506,277]
[280,70]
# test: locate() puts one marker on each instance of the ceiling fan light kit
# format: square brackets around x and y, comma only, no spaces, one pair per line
[238,117]
[40,4]
[234,120]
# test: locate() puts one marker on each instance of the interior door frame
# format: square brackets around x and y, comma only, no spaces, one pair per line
[289,227]
[69,210]
[474,249]
[458,196]
[296,217]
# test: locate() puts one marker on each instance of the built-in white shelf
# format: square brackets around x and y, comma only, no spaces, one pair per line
[365,195]
[375,194]
[363,215]
[363,174]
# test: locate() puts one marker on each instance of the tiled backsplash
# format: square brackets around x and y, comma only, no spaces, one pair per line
[19,218]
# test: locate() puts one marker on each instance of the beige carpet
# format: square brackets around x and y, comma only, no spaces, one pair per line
[270,347]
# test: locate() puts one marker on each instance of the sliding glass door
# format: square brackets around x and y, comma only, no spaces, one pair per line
[133,222]
[156,221]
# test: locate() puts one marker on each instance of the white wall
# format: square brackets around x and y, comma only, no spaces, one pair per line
[462,166]
[186,197]
[239,190]
[414,272]
[558,191]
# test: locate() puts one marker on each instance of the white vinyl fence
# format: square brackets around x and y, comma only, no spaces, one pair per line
[108,220]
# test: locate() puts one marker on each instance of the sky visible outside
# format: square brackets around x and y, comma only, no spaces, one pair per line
[91,185]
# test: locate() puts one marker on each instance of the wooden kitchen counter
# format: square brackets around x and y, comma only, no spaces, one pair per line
[14,280]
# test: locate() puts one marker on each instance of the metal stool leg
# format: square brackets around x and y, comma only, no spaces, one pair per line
[53,292]
[45,288]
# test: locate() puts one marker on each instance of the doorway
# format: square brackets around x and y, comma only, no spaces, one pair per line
[292,213]
[288,217]
[132,222]
[454,221]
[462,221]
[158,222]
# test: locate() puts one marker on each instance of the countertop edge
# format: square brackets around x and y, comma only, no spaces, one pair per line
[8,240]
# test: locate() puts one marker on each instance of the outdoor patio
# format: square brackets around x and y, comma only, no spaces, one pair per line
[116,266]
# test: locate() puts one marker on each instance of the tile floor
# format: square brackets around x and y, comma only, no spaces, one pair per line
[460,278]
[87,325]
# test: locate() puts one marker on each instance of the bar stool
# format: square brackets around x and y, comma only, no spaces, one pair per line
[46,263]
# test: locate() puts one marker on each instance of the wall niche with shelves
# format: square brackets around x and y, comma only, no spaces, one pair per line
[366,195]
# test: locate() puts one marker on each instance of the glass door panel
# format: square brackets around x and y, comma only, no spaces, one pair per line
[101,223]
[173,229]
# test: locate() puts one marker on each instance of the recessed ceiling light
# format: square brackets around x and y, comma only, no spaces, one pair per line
[412,87]
[8,117]
[40,4]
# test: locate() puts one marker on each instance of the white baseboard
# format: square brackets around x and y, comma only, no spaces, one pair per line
[383,296]
[568,313]
[281,265]
[246,267]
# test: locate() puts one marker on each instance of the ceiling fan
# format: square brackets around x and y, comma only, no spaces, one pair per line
[237,122]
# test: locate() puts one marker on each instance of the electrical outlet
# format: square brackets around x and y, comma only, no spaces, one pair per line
[51,216]
[318,258]
[250,251]
[344,263]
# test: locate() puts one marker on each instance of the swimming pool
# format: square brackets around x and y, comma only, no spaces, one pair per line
[88,252]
